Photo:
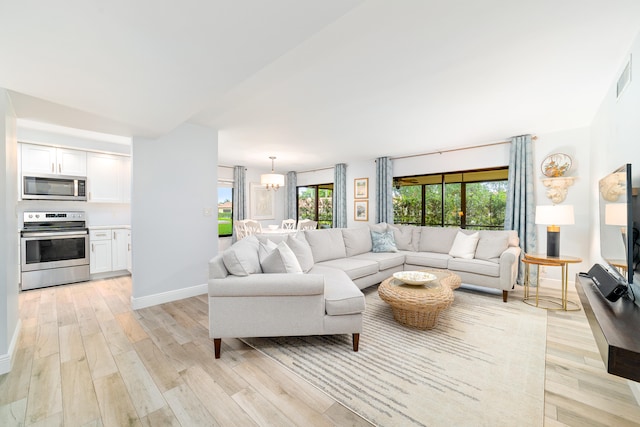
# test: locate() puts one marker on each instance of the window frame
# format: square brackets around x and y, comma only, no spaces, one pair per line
[230,185]
[500,174]
[317,188]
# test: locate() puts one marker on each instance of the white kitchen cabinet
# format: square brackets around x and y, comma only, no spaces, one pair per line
[100,257]
[120,249]
[44,159]
[126,179]
[108,178]
[110,250]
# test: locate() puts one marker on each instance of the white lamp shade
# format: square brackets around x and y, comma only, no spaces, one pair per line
[615,214]
[555,215]
[273,179]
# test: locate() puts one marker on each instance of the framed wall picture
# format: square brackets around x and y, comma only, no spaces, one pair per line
[361,188]
[361,210]
[262,202]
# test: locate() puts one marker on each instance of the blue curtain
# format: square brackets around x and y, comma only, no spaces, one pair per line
[520,209]
[239,195]
[384,190]
[340,196]
[291,210]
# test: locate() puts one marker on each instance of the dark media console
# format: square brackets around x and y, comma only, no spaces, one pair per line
[615,326]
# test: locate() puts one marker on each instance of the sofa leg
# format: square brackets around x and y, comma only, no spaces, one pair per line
[505,295]
[217,342]
[356,341]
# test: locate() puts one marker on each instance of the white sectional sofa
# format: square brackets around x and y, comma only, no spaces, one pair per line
[309,283]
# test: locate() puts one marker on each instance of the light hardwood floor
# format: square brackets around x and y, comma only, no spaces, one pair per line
[84,358]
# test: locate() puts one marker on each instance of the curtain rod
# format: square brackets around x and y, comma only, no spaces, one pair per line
[228,167]
[316,170]
[455,149]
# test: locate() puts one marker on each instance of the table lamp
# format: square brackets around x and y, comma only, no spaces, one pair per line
[553,216]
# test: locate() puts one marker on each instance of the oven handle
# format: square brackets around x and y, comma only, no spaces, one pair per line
[29,234]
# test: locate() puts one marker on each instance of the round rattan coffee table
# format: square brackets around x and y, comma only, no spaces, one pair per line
[419,306]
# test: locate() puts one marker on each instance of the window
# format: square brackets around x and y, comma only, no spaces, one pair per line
[315,202]
[225,209]
[473,199]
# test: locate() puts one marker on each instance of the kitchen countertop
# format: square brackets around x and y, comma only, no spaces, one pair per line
[108,227]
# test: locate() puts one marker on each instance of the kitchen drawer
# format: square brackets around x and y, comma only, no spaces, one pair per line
[95,235]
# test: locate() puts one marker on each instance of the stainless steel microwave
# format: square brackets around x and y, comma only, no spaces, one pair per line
[54,187]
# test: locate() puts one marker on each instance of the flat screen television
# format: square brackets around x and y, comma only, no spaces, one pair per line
[617,237]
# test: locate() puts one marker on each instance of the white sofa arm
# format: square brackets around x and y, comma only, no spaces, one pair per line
[260,285]
[509,263]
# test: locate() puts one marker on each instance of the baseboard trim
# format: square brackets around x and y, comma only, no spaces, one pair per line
[6,360]
[164,297]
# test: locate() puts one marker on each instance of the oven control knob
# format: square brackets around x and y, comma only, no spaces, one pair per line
[37,216]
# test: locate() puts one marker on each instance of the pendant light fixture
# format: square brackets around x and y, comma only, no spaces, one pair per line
[272,180]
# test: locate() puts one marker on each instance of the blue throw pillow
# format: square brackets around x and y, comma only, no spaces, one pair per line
[383,242]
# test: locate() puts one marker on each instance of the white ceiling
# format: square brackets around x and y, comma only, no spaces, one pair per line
[316,82]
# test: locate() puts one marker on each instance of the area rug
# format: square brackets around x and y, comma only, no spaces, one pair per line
[482,365]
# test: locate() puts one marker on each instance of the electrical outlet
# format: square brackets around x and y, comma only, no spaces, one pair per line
[207,211]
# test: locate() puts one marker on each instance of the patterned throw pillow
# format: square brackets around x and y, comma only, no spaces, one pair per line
[383,242]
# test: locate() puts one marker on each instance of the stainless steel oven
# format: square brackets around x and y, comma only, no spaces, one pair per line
[54,249]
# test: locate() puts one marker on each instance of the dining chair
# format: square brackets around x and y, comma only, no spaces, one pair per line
[307,224]
[288,224]
[252,227]
[239,228]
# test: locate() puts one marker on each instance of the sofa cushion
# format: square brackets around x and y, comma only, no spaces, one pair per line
[464,245]
[341,296]
[490,248]
[302,250]
[326,244]
[383,242]
[281,260]
[476,266]
[241,258]
[380,227]
[385,260]
[427,259]
[437,239]
[511,235]
[355,268]
[356,240]
[403,235]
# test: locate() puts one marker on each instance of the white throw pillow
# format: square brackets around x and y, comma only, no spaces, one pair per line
[300,247]
[464,245]
[241,259]
[281,260]
[265,249]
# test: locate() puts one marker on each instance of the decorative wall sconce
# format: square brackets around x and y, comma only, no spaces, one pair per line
[558,188]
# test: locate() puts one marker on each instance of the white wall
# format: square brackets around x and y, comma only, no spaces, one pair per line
[174,180]
[615,138]
[37,136]
[574,239]
[9,241]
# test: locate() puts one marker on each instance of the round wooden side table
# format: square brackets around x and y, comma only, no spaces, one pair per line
[562,261]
